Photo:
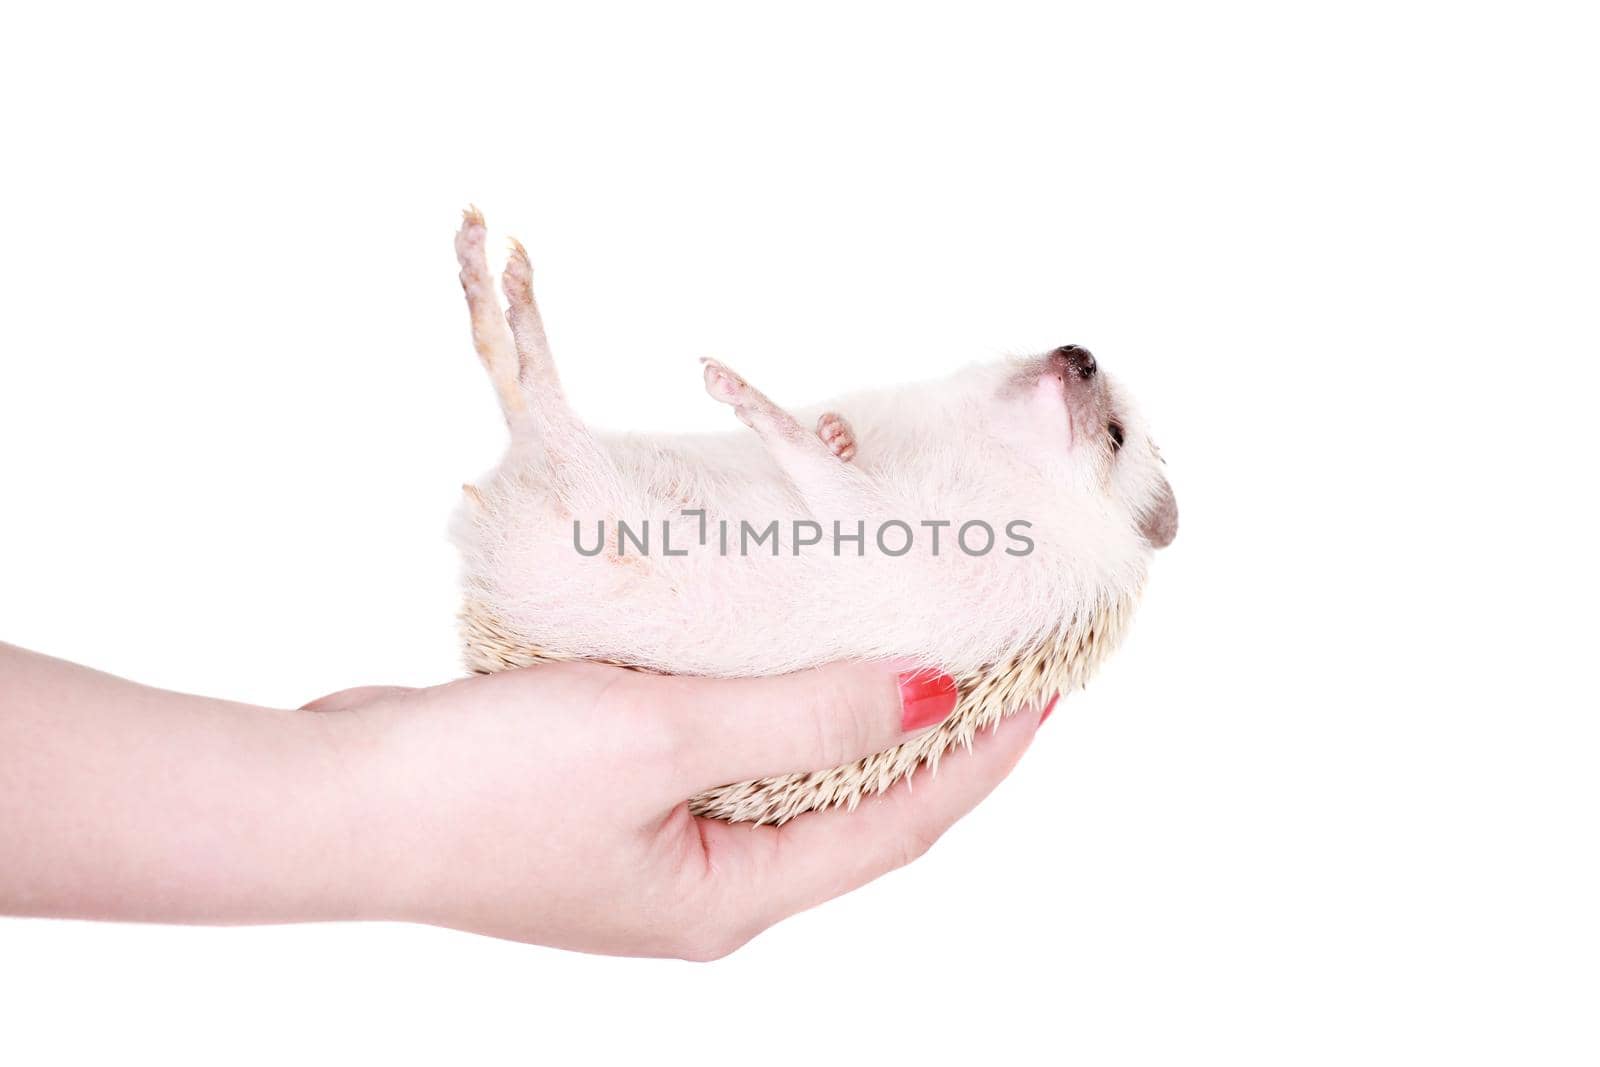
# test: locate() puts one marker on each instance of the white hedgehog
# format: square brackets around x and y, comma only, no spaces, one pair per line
[995,525]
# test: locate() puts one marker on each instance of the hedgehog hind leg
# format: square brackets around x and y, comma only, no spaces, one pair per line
[490,334]
[512,347]
[580,470]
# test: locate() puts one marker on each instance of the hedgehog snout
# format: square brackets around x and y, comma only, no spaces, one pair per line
[1076,361]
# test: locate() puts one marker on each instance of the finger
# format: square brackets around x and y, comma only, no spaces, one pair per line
[345,699]
[733,729]
[774,872]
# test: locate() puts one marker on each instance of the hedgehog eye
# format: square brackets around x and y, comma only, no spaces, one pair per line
[1115,429]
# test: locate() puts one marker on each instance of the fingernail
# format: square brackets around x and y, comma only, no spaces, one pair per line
[1048,708]
[926,699]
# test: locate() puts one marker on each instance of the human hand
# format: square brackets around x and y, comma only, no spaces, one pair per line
[548,804]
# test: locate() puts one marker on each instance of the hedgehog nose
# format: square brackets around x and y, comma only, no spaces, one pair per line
[1078,360]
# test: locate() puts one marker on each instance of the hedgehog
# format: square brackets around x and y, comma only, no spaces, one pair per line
[995,526]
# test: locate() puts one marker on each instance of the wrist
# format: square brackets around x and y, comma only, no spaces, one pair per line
[366,839]
[389,847]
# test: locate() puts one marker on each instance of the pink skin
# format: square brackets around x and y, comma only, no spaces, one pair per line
[837,435]
[1049,411]
[1069,406]
[542,805]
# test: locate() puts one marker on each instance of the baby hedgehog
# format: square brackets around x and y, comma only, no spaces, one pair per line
[996,525]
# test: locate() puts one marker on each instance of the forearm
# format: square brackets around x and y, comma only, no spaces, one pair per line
[118,801]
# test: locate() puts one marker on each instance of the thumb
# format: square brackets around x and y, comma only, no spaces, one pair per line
[733,729]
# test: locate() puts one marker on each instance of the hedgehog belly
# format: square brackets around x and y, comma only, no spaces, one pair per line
[1061,661]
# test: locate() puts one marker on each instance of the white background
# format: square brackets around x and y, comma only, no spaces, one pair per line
[1333,802]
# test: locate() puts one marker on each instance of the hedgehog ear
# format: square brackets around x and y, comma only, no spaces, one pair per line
[1160,522]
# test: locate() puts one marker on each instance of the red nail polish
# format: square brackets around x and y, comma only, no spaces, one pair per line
[926,699]
[1048,708]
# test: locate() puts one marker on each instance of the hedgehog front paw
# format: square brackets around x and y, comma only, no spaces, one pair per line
[837,435]
[724,385]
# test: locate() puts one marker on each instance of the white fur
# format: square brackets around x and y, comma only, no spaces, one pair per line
[965,448]
[1022,439]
